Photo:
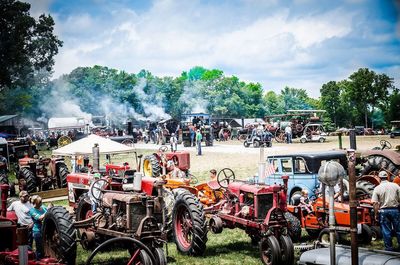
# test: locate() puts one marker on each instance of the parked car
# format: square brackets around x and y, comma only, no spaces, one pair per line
[359,130]
[302,169]
[395,132]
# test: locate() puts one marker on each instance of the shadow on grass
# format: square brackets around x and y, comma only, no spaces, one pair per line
[244,248]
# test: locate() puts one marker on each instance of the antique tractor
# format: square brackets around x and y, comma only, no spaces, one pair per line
[316,224]
[130,217]
[258,209]
[14,236]
[39,174]
[155,165]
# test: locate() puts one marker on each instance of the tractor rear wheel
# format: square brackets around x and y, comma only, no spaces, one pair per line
[59,235]
[376,233]
[151,166]
[189,224]
[62,176]
[270,250]
[377,163]
[366,235]
[287,249]
[364,187]
[30,180]
[294,226]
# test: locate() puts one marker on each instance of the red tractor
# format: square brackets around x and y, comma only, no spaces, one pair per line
[39,174]
[9,254]
[257,209]
[155,165]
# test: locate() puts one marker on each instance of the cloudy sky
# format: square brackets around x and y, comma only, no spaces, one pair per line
[299,43]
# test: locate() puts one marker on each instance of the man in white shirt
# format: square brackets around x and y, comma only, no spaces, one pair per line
[288,132]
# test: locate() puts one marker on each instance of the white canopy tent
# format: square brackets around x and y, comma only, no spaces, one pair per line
[84,147]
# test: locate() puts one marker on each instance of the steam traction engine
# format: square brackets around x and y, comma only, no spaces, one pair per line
[257,209]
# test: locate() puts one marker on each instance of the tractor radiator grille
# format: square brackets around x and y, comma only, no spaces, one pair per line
[136,213]
[265,202]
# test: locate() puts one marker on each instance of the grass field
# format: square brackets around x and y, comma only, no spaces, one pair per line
[232,246]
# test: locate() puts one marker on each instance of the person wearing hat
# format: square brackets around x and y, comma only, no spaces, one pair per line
[199,137]
[386,199]
[21,209]
[94,191]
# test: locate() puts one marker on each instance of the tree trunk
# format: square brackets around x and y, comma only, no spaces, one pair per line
[366,116]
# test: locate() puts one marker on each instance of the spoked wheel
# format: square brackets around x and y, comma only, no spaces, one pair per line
[189,224]
[225,176]
[128,142]
[270,251]
[280,136]
[97,189]
[64,140]
[140,254]
[59,235]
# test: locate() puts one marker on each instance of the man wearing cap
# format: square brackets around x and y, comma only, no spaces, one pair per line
[21,209]
[386,199]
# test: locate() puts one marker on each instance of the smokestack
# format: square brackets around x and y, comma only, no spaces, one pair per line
[130,129]
[96,158]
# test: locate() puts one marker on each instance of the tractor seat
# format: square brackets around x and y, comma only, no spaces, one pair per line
[213,184]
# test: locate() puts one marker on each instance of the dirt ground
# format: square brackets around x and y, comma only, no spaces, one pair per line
[244,161]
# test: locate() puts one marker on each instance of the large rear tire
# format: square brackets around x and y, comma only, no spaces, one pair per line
[189,224]
[366,235]
[364,187]
[59,235]
[377,163]
[30,180]
[151,166]
[62,176]
[294,226]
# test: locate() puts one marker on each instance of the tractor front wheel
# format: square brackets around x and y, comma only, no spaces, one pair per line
[287,249]
[59,235]
[270,251]
[376,233]
[189,224]
[151,166]
[62,176]
[366,234]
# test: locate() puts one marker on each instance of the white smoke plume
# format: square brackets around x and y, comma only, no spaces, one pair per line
[193,97]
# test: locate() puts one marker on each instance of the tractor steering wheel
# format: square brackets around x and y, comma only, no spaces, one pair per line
[385,144]
[97,189]
[225,176]
[163,148]
[193,179]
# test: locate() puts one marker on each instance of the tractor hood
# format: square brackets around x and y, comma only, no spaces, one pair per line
[239,186]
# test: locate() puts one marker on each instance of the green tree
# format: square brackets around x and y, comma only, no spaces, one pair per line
[26,45]
[330,100]
[273,103]
[394,107]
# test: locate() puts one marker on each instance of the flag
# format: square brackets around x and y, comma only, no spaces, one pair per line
[269,169]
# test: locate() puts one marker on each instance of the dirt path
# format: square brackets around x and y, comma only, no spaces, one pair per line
[244,160]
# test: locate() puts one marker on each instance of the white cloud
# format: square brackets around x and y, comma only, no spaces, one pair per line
[257,42]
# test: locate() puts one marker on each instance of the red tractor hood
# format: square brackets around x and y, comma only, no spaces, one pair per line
[238,186]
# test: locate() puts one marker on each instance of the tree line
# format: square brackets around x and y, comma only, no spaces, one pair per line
[364,98]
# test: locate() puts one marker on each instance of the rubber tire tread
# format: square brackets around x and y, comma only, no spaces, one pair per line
[155,165]
[366,236]
[376,163]
[273,243]
[4,179]
[364,187]
[160,256]
[377,231]
[294,226]
[62,176]
[30,179]
[61,220]
[287,249]
[199,233]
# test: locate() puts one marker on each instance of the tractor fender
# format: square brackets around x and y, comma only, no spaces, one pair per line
[370,178]
[389,154]
[276,214]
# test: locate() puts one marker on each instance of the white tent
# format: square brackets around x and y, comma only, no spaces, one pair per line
[84,147]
